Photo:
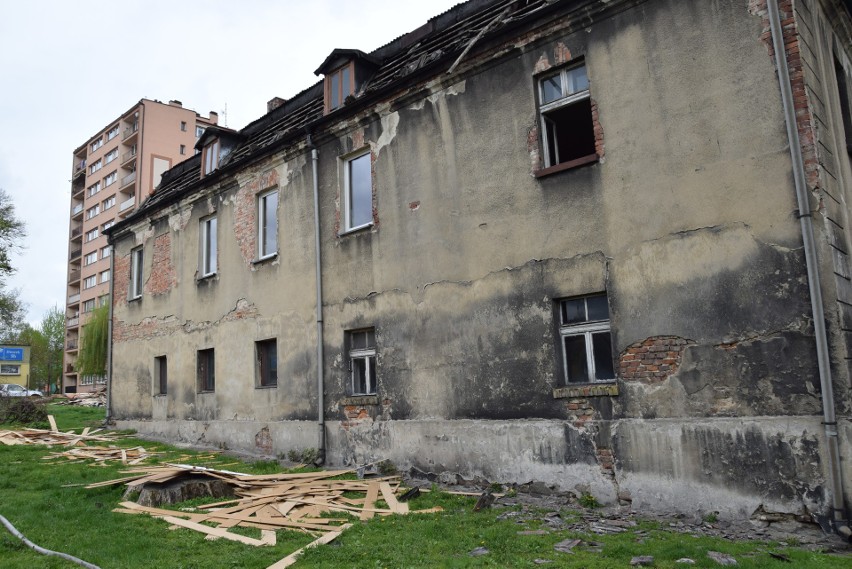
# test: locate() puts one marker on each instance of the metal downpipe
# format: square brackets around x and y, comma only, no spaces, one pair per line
[320,373]
[838,514]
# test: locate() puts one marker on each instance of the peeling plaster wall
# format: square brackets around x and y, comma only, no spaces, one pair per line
[688,224]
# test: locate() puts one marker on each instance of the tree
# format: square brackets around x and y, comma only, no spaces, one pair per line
[52,329]
[12,232]
[92,358]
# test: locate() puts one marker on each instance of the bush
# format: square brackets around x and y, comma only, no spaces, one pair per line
[23,410]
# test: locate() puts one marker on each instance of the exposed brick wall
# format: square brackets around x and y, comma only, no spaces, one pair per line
[652,360]
[604,456]
[159,327]
[245,212]
[163,276]
[805,122]
[598,130]
[120,280]
[580,411]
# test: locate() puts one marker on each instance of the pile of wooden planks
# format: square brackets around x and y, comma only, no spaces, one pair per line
[310,502]
[102,455]
[54,436]
[87,399]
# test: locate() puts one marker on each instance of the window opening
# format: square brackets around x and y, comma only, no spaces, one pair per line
[566,117]
[584,331]
[362,361]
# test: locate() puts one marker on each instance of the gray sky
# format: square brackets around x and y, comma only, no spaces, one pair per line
[68,68]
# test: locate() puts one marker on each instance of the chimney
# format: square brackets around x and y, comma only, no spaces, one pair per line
[214,117]
[274,103]
[175,103]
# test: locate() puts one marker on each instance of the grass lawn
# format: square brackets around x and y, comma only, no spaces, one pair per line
[45,501]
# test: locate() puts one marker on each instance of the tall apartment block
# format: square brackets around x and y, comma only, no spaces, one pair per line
[113,172]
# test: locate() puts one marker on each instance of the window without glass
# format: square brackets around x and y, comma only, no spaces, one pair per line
[586,341]
[211,157]
[358,192]
[136,273]
[565,108]
[362,361]
[266,352]
[161,375]
[267,227]
[206,370]
[208,247]
[183,149]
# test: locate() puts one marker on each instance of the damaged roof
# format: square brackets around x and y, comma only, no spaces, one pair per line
[430,49]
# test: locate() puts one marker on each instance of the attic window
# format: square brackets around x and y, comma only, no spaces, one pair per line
[339,84]
[210,157]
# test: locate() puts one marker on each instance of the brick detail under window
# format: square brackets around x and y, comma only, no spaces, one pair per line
[652,360]
[163,276]
[245,212]
[605,460]
[120,280]
[580,412]
[598,130]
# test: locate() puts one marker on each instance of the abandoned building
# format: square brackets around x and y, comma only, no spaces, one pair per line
[600,245]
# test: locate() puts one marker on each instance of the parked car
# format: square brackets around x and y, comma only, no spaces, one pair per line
[15,390]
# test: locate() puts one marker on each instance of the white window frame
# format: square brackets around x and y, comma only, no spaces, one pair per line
[90,281]
[94,188]
[113,132]
[108,224]
[110,178]
[569,97]
[98,143]
[367,354]
[96,166]
[586,329]
[211,157]
[105,276]
[262,229]
[106,252]
[136,269]
[93,211]
[92,234]
[5,369]
[109,202]
[91,258]
[89,305]
[347,191]
[208,246]
[111,155]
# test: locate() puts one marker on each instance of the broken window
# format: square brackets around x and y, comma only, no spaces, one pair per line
[565,107]
[210,158]
[267,362]
[358,192]
[136,273]
[267,227]
[845,105]
[362,361]
[208,247]
[585,338]
[206,365]
[161,378]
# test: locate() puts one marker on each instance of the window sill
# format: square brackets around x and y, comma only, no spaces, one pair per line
[207,392]
[135,299]
[566,166]
[206,277]
[160,395]
[602,389]
[358,229]
[275,386]
[360,400]
[266,259]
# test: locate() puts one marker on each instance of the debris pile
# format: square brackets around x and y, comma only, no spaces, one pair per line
[269,502]
[54,436]
[94,399]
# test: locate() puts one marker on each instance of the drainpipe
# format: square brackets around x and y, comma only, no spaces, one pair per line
[320,378]
[838,514]
[109,333]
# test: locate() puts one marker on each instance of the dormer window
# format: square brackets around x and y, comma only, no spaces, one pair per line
[339,84]
[210,157]
[346,71]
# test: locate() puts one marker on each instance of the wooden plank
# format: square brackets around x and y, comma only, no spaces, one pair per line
[214,531]
[370,501]
[327,538]
[395,505]
[52,421]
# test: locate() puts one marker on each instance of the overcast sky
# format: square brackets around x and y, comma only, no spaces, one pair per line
[68,68]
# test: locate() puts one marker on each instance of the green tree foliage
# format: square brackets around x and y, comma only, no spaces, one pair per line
[92,357]
[12,232]
[46,344]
